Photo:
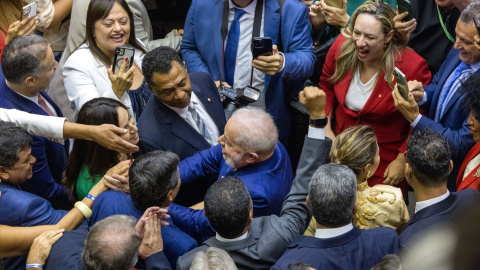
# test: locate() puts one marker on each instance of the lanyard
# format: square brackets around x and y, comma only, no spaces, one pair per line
[443,25]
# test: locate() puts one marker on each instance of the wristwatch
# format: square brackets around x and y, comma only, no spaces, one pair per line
[320,122]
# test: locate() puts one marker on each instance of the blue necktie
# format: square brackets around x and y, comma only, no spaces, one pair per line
[232,46]
[461,73]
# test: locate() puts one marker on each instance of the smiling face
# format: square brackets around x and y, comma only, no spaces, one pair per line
[465,42]
[474,126]
[113,30]
[233,154]
[173,88]
[22,170]
[369,38]
[126,121]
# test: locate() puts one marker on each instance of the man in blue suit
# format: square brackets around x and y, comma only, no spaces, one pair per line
[285,22]
[442,98]
[28,65]
[249,149]
[154,181]
[168,122]
[428,165]
[17,207]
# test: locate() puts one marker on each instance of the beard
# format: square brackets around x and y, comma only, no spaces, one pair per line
[234,162]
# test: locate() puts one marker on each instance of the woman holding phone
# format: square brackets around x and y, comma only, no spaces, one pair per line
[88,72]
[358,80]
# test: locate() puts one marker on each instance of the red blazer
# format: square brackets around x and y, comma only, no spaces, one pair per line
[379,112]
[470,181]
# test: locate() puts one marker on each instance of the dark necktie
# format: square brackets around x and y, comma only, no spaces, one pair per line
[232,46]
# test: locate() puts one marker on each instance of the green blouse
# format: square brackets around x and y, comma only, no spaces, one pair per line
[84,182]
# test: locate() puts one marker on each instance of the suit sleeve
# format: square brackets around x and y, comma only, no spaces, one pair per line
[191,55]
[201,164]
[299,57]
[42,183]
[40,212]
[193,222]
[295,215]
[157,261]
[327,72]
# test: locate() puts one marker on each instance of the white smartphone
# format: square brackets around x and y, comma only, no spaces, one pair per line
[30,10]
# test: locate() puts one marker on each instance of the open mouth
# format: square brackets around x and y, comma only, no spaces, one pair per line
[362,53]
[117,38]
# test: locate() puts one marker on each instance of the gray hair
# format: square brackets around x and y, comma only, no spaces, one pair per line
[258,131]
[332,194]
[471,12]
[213,259]
[112,243]
[23,57]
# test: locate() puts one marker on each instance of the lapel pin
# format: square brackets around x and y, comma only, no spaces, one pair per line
[208,99]
[379,95]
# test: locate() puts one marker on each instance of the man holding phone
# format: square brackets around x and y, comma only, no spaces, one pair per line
[443,97]
[202,49]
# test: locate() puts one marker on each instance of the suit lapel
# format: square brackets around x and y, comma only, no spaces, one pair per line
[49,100]
[180,127]
[217,36]
[271,25]
[436,96]
[379,93]
[206,101]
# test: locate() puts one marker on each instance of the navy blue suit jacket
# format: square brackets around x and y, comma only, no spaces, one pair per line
[51,156]
[453,123]
[268,182]
[160,128]
[109,203]
[66,253]
[20,208]
[438,213]
[356,249]
[202,49]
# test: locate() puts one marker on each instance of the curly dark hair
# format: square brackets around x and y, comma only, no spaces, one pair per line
[471,99]
[159,60]
[428,154]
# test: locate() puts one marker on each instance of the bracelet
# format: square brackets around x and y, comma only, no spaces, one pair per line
[37,265]
[91,197]
[86,211]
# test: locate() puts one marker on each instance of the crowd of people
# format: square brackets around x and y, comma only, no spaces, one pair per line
[119,160]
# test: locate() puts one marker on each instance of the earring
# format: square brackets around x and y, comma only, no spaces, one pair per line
[368,174]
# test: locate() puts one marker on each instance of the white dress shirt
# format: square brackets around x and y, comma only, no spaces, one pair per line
[333,232]
[221,239]
[210,126]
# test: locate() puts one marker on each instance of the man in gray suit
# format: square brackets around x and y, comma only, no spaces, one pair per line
[76,36]
[257,243]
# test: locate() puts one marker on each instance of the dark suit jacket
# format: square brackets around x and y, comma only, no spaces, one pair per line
[160,128]
[438,213]
[356,249]
[453,123]
[20,208]
[111,202]
[269,236]
[202,50]
[66,253]
[51,156]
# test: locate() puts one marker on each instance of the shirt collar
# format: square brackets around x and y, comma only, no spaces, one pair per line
[475,66]
[33,99]
[221,239]
[333,232]
[424,204]
[249,9]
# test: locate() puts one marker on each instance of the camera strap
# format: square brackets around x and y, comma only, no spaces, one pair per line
[257,23]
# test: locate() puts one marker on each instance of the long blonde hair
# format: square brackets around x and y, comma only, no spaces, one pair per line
[11,12]
[355,147]
[348,58]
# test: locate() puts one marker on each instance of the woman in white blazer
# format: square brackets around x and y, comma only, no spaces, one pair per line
[88,72]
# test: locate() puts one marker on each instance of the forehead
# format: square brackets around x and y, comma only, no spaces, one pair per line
[368,24]
[116,11]
[164,80]
[465,31]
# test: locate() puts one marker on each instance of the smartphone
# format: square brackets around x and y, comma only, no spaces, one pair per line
[122,53]
[261,46]
[477,25]
[404,5]
[401,83]
[334,3]
[30,10]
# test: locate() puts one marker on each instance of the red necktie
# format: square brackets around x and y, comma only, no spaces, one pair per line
[43,104]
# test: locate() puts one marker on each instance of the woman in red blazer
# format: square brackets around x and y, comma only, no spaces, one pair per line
[359,91]
[469,174]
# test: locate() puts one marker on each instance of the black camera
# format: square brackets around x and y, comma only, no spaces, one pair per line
[237,98]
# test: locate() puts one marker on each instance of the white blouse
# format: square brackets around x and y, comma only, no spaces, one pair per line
[358,92]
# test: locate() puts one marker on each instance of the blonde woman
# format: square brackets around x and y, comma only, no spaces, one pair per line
[357,78]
